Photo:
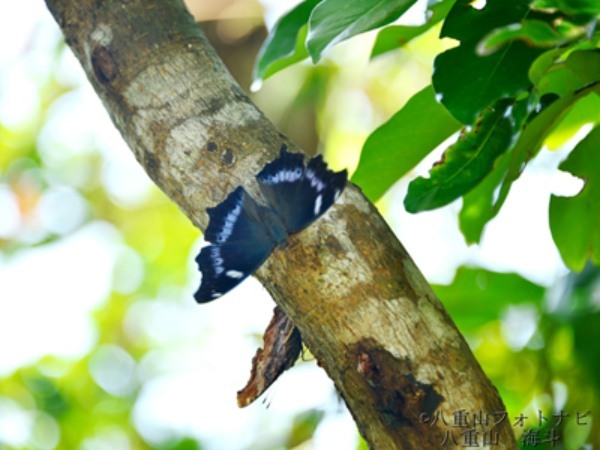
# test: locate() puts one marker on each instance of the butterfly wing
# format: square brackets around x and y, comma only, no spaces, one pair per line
[240,244]
[300,194]
[244,233]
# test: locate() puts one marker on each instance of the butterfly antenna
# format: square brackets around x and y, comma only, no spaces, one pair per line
[269,396]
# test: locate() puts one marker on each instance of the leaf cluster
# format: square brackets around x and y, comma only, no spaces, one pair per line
[521,73]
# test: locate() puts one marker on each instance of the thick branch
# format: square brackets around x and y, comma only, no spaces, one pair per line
[363,308]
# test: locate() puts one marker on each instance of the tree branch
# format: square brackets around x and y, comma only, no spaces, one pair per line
[361,305]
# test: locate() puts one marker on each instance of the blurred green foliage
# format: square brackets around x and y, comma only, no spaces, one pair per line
[61,399]
[536,345]
[522,75]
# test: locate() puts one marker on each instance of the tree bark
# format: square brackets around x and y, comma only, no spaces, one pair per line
[362,306]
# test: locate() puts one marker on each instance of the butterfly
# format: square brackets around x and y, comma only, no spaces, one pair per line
[243,233]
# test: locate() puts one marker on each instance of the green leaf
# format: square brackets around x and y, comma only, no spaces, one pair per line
[468,82]
[544,63]
[400,143]
[533,32]
[478,296]
[333,21]
[479,206]
[577,7]
[285,44]
[466,162]
[542,73]
[396,36]
[584,111]
[585,64]
[575,221]
[554,75]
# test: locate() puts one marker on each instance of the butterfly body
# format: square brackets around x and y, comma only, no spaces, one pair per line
[275,227]
[243,232]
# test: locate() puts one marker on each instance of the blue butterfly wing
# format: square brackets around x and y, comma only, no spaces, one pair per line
[243,233]
[240,244]
[299,194]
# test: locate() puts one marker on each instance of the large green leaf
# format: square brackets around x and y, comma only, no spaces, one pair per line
[285,44]
[575,221]
[468,82]
[333,21]
[400,143]
[395,36]
[466,162]
[477,296]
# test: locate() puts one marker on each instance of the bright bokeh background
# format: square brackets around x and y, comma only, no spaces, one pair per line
[101,343]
